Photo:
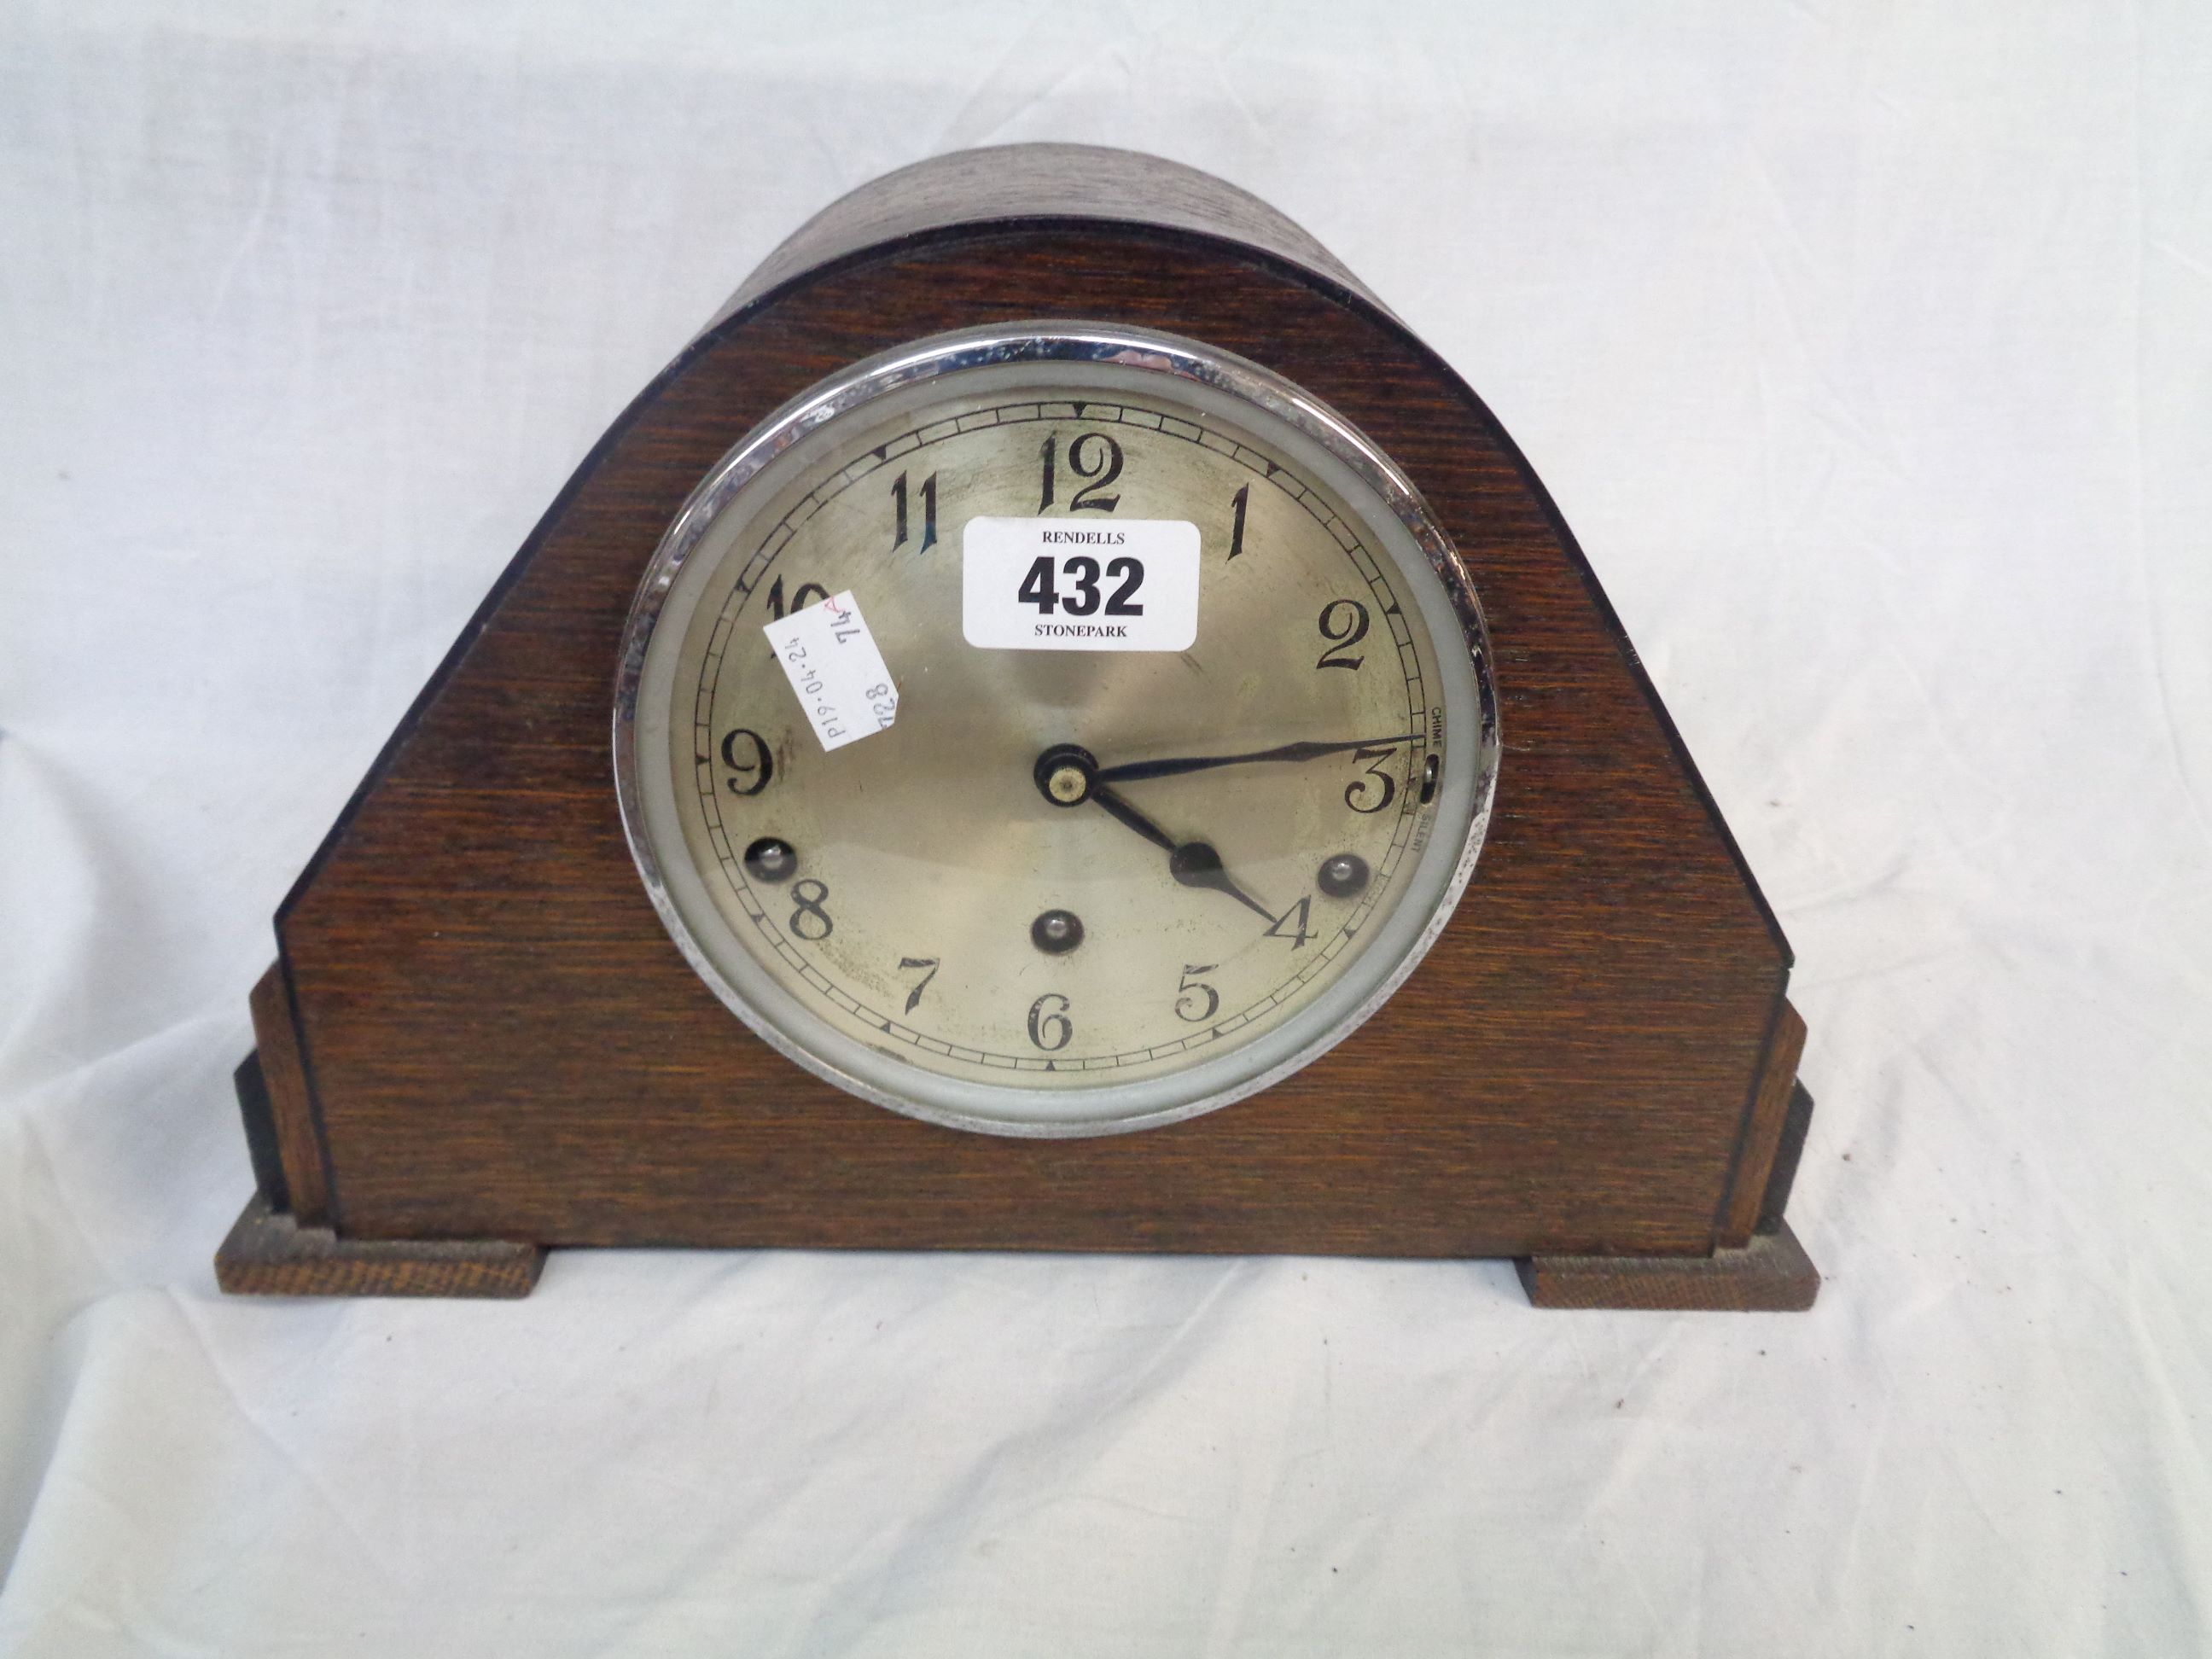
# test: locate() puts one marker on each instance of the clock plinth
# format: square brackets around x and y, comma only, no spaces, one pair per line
[270,1252]
[1771,1275]
[479,1030]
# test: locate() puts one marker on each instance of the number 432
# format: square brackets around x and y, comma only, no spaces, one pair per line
[1042,587]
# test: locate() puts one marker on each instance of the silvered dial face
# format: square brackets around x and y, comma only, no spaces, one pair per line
[1065,890]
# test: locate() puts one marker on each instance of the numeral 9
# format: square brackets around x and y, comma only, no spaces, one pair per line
[761,768]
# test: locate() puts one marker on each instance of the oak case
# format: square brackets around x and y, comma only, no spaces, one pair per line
[477,1040]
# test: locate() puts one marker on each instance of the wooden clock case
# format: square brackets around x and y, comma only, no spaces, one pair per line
[477,1040]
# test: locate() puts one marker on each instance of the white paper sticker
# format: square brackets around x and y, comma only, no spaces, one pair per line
[1070,585]
[833,665]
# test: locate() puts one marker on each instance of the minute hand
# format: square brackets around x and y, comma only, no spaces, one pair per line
[1136,771]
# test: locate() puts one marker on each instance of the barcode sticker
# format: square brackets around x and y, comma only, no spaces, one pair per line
[836,670]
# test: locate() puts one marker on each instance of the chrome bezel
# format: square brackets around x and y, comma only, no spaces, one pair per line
[1045,342]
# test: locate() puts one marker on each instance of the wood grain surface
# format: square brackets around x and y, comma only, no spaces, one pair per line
[1771,1275]
[1035,185]
[291,1106]
[1762,1130]
[497,1040]
[270,1252]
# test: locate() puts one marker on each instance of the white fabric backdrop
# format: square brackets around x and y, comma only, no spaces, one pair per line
[1868,350]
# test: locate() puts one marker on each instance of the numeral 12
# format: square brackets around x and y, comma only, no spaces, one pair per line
[1093,455]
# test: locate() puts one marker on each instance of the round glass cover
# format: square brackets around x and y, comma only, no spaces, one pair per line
[1182,838]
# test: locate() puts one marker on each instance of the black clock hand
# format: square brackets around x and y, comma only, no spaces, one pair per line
[1067,775]
[1193,863]
[1121,812]
[1135,771]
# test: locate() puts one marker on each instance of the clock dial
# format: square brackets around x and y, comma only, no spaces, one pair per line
[1065,889]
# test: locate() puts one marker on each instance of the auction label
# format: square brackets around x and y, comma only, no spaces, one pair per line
[833,665]
[1068,584]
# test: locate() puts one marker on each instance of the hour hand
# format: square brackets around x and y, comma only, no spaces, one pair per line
[1195,864]
[1136,771]
[1068,776]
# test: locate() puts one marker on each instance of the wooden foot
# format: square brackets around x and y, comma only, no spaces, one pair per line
[1771,1275]
[270,1253]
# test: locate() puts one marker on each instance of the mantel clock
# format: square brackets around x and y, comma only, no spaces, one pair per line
[1055,724]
